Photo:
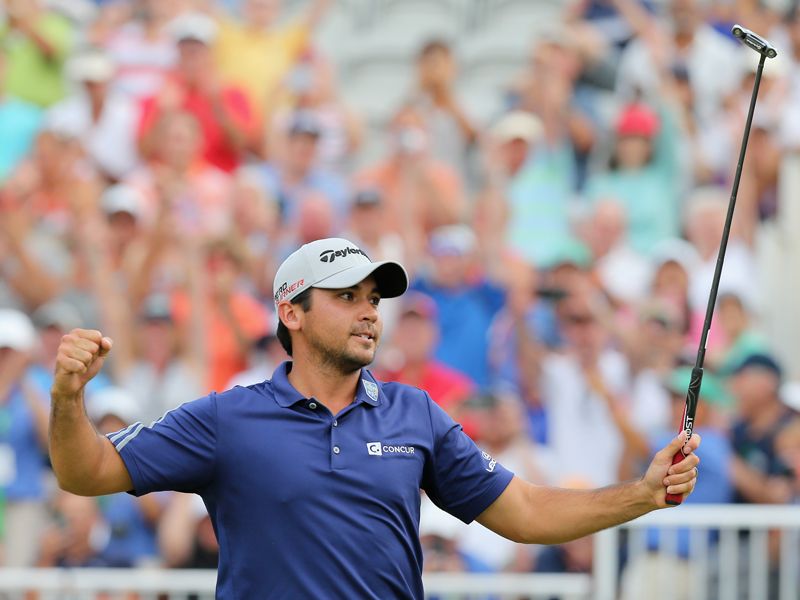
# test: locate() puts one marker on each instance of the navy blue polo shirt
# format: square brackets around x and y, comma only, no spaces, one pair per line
[306,504]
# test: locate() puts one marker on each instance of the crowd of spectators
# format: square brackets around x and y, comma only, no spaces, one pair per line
[159,159]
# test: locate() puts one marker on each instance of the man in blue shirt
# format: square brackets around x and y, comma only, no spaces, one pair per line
[312,478]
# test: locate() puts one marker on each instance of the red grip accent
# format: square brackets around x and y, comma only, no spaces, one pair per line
[675,499]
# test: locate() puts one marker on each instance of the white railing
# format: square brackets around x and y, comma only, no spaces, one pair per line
[87,584]
[759,565]
[755,555]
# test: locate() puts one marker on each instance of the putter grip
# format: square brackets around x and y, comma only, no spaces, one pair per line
[687,422]
[675,499]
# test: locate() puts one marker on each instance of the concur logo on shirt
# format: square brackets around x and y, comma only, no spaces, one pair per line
[379,449]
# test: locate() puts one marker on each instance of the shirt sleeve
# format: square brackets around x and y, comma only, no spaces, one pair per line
[177,452]
[459,477]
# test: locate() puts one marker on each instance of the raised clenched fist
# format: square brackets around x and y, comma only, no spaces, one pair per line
[80,357]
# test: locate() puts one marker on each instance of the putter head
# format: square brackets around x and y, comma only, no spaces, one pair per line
[754,41]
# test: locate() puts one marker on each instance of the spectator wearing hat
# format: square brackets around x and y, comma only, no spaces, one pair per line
[122,207]
[131,521]
[644,175]
[466,301]
[53,320]
[412,359]
[420,193]
[759,475]
[368,227]
[311,87]
[104,122]
[265,355]
[585,395]
[644,573]
[23,442]
[256,53]
[297,172]
[36,42]
[524,205]
[223,112]
[622,271]
[158,363]
[440,536]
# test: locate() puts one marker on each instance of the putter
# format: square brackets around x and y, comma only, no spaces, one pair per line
[765,50]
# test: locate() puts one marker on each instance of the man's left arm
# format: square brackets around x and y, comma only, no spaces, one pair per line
[534,514]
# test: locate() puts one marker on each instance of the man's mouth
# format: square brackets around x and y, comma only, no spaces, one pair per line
[364,336]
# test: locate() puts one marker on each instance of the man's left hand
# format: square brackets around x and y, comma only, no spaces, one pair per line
[662,477]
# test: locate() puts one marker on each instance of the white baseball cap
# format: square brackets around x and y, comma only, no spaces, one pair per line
[115,401]
[518,125]
[92,65]
[16,330]
[122,198]
[335,263]
[193,26]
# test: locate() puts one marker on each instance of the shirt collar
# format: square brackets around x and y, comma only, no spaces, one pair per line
[368,390]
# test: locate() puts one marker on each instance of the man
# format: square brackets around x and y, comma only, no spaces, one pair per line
[414,341]
[523,207]
[23,440]
[467,302]
[312,478]
[759,474]
[223,111]
[297,173]
[104,121]
[452,133]
[256,52]
[419,192]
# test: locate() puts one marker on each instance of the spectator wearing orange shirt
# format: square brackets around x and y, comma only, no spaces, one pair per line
[223,111]
[232,319]
[421,193]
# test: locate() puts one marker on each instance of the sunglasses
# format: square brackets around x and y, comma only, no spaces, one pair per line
[576,319]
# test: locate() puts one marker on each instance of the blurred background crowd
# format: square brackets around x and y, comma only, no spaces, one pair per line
[554,176]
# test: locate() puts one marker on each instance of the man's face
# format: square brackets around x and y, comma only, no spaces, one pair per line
[302,152]
[754,388]
[261,13]
[416,337]
[343,327]
[194,59]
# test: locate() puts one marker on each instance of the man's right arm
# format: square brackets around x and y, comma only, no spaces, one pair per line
[85,462]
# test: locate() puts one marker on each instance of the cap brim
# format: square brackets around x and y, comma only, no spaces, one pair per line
[390,276]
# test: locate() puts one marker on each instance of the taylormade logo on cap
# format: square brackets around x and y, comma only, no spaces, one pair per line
[335,263]
[330,255]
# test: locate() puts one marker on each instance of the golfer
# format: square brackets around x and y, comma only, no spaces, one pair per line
[312,477]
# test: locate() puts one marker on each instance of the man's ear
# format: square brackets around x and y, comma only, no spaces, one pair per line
[291,315]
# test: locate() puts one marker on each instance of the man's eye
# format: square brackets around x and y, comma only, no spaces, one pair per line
[346,295]
[375,301]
